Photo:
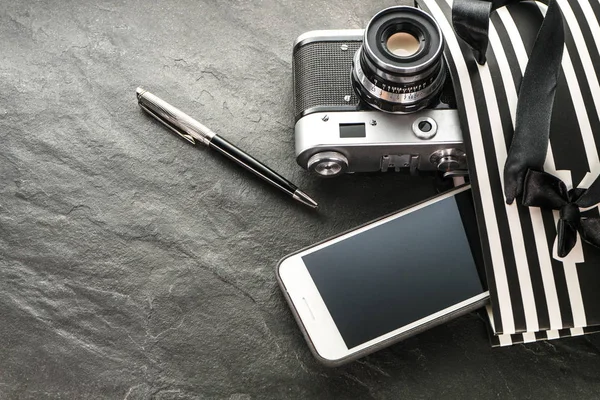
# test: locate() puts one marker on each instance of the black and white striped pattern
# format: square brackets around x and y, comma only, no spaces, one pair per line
[521,338]
[532,290]
[528,337]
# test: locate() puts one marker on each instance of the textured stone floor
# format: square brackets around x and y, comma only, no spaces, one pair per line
[135,266]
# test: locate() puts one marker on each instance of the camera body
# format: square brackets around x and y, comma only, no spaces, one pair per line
[336,131]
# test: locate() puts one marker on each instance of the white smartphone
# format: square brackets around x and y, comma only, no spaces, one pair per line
[389,279]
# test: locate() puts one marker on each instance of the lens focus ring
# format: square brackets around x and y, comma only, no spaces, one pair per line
[412,93]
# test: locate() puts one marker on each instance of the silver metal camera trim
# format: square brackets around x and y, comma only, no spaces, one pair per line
[329,35]
[385,134]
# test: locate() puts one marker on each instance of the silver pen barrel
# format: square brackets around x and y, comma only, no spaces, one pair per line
[174,119]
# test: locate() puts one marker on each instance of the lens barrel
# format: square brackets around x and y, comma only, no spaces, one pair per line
[400,67]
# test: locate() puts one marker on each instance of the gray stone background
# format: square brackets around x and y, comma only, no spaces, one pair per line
[135,266]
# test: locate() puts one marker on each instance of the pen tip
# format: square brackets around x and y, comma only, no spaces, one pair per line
[139,92]
[304,199]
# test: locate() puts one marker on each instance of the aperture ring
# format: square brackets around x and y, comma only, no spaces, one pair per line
[401,95]
[396,88]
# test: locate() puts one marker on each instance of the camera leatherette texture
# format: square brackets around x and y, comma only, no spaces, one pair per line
[322,71]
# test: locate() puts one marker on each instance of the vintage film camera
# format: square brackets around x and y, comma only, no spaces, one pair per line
[375,99]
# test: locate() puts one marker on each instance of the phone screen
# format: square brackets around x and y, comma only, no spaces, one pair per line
[400,271]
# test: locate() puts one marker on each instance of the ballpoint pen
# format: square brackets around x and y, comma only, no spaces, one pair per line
[194,132]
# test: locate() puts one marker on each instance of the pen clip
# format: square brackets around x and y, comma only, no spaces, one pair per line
[166,123]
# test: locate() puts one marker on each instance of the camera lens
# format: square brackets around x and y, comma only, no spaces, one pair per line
[399,67]
[403,44]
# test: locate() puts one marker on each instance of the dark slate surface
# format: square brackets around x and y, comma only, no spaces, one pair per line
[134,266]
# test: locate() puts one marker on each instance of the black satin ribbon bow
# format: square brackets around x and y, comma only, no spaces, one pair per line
[547,191]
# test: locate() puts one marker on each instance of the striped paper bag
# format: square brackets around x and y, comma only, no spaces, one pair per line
[534,293]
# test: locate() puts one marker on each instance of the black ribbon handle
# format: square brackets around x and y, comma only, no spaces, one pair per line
[529,145]
[536,94]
